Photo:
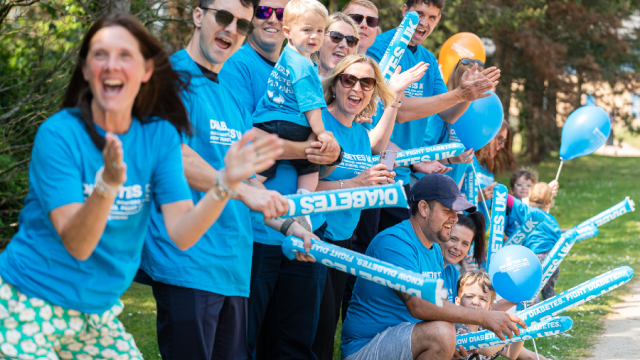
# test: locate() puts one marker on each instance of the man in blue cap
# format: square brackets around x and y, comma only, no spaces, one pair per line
[382,323]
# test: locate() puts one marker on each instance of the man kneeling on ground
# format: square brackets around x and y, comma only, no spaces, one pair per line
[382,323]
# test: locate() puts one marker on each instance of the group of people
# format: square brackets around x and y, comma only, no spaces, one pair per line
[150,171]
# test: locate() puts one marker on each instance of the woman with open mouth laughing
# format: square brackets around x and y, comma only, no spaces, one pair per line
[340,40]
[96,166]
[351,90]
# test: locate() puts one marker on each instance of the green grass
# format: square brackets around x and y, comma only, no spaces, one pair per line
[588,186]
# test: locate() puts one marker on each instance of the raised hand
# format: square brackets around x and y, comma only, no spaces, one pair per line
[464,158]
[243,159]
[475,84]
[400,81]
[115,170]
[487,192]
[375,175]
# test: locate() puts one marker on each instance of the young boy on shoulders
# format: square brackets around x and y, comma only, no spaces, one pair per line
[292,105]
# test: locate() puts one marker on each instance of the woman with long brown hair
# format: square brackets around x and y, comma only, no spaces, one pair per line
[96,166]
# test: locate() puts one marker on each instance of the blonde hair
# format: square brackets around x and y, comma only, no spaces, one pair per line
[297,8]
[380,91]
[540,195]
[481,278]
[365,3]
[332,19]
[456,74]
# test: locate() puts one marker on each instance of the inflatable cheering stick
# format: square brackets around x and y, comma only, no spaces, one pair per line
[426,154]
[343,199]
[398,45]
[498,220]
[371,269]
[625,206]
[486,338]
[576,296]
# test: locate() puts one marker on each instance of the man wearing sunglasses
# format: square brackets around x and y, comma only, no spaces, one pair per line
[365,14]
[202,293]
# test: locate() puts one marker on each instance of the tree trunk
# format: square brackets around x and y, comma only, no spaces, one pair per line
[107,6]
[536,149]
[504,57]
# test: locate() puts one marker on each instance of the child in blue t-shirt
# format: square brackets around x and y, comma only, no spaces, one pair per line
[521,182]
[292,106]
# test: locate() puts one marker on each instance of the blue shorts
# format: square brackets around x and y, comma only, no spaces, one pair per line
[391,344]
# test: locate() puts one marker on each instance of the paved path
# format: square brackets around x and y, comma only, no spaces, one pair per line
[621,339]
[623,149]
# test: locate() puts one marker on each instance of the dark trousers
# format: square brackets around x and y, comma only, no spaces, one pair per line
[196,324]
[284,305]
[393,216]
[330,308]
[366,230]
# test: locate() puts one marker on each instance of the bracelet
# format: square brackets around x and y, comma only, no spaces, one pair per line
[411,168]
[449,161]
[286,225]
[341,183]
[339,160]
[219,190]
[102,188]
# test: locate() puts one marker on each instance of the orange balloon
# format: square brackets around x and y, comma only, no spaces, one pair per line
[459,46]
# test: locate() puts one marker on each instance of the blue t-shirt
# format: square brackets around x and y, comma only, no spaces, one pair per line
[357,158]
[484,178]
[408,135]
[545,236]
[64,163]
[220,261]
[293,88]
[246,74]
[373,307]
[450,275]
[516,216]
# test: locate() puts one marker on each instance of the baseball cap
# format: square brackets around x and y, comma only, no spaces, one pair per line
[443,189]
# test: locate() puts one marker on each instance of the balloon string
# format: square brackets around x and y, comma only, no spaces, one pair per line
[532,339]
[484,201]
[559,169]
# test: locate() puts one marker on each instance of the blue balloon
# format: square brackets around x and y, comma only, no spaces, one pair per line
[515,273]
[584,132]
[480,123]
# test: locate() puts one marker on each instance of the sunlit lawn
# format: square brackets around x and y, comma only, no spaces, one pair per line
[588,186]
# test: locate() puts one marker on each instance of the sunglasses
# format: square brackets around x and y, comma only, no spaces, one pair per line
[349,81]
[467,61]
[336,37]
[265,12]
[224,18]
[371,21]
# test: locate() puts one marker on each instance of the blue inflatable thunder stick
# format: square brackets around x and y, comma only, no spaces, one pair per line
[470,186]
[425,154]
[523,232]
[486,338]
[625,206]
[498,220]
[343,199]
[576,296]
[398,45]
[370,269]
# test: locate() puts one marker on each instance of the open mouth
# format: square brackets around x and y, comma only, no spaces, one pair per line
[448,226]
[453,254]
[223,43]
[271,30]
[354,100]
[112,87]
[338,55]
[421,32]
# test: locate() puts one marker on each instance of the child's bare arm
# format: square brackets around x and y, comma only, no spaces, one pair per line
[314,117]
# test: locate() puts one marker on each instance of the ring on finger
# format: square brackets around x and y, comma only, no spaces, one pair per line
[115,165]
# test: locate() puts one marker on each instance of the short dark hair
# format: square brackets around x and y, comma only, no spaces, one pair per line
[437,3]
[415,208]
[246,3]
[528,174]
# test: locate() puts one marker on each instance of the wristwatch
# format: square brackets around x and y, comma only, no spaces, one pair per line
[396,104]
[339,160]
[102,188]
[219,190]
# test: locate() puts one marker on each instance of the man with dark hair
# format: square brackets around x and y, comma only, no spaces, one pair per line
[426,97]
[202,293]
[382,323]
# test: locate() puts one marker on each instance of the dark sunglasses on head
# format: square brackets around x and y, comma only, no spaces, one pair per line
[371,21]
[224,18]
[467,61]
[336,37]
[349,81]
[265,12]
